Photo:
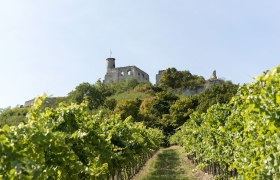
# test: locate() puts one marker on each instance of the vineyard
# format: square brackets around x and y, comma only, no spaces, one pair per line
[69,143]
[240,139]
[109,132]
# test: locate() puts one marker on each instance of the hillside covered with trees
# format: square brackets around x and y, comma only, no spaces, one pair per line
[159,106]
[102,130]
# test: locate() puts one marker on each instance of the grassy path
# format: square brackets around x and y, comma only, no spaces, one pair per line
[166,164]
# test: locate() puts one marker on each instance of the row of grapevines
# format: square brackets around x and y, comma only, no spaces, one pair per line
[69,143]
[242,138]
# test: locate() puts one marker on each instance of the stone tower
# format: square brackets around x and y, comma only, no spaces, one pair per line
[117,74]
[110,64]
[214,76]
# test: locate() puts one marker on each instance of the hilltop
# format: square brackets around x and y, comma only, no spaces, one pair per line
[166,105]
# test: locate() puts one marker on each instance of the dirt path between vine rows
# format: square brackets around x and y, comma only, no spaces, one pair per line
[170,164]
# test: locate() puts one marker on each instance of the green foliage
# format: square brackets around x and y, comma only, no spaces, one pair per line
[77,141]
[95,94]
[138,91]
[130,95]
[174,79]
[13,116]
[53,101]
[179,113]
[68,142]
[153,108]
[241,136]
[123,86]
[183,108]
[162,103]
[110,104]
[128,108]
[221,93]
[155,112]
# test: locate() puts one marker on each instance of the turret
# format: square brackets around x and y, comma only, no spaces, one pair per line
[214,76]
[110,64]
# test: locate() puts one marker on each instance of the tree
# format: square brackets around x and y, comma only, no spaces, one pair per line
[152,109]
[128,108]
[174,79]
[110,104]
[171,78]
[95,94]
[216,94]
[190,81]
[162,103]
[180,111]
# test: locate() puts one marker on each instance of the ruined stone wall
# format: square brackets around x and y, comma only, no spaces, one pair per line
[29,103]
[210,83]
[207,85]
[123,73]
[158,76]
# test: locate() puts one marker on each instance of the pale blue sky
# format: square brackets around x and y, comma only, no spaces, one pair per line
[53,45]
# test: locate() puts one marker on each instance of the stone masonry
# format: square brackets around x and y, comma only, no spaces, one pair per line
[159,75]
[122,73]
[132,72]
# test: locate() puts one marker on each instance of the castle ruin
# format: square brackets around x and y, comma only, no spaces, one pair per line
[132,72]
[210,82]
[122,73]
[158,76]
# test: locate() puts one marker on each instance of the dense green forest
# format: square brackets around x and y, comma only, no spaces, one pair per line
[109,130]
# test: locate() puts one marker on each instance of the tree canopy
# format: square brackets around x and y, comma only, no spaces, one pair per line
[221,93]
[174,79]
[95,94]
